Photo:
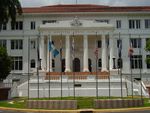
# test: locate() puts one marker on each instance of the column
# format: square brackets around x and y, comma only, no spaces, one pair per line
[49,55]
[112,58]
[85,55]
[67,55]
[25,54]
[104,57]
[42,54]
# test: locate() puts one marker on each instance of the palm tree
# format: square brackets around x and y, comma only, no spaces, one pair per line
[9,9]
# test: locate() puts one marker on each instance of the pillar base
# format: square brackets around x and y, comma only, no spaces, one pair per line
[104,70]
[67,70]
[49,70]
[85,70]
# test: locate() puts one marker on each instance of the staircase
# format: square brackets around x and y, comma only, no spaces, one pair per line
[76,75]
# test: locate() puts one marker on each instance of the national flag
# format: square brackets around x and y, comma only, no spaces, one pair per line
[61,49]
[38,55]
[119,48]
[50,46]
[73,48]
[55,52]
[96,52]
[130,51]
[52,49]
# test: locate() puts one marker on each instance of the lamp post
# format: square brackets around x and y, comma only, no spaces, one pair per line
[96,58]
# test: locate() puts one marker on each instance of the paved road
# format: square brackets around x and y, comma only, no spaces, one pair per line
[142,111]
[9,112]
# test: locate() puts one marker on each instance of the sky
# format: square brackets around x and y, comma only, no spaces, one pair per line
[36,3]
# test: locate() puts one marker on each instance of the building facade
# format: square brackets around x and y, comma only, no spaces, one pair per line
[88,38]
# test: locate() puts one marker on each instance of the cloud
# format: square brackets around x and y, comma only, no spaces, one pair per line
[129,2]
[32,3]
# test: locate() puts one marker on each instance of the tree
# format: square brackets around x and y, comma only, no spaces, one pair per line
[5,63]
[147,48]
[9,9]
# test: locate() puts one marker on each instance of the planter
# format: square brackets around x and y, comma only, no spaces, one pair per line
[118,103]
[52,104]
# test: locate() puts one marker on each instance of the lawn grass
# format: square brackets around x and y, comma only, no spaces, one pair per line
[82,102]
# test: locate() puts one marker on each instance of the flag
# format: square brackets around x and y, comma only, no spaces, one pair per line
[120,48]
[96,53]
[55,52]
[51,46]
[52,49]
[130,51]
[73,49]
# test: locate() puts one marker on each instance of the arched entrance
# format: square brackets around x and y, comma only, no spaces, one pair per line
[76,65]
[63,65]
[90,64]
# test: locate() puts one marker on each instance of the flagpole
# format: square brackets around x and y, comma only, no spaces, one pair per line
[74,65]
[61,64]
[96,79]
[109,69]
[131,65]
[120,65]
[96,58]
[140,66]
[49,77]
[28,67]
[38,65]
[131,76]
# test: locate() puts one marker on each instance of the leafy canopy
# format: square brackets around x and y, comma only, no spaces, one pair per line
[147,48]
[9,9]
[5,63]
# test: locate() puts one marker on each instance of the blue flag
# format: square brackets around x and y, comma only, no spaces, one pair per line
[55,52]
[52,49]
[50,46]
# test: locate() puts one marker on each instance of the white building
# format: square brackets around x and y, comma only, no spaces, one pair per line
[87,27]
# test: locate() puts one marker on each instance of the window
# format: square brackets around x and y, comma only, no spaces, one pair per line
[148,63]
[17,26]
[49,21]
[17,63]
[118,24]
[3,43]
[32,63]
[99,43]
[134,24]
[33,44]
[4,27]
[136,61]
[147,23]
[136,42]
[33,25]
[102,20]
[16,44]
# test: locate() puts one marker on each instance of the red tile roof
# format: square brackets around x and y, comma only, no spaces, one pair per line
[85,8]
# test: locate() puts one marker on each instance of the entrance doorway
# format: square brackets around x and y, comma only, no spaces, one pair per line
[76,65]
[90,65]
[63,65]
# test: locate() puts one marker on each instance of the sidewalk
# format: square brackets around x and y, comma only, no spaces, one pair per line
[75,111]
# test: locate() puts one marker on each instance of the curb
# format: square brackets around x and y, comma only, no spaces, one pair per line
[74,111]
